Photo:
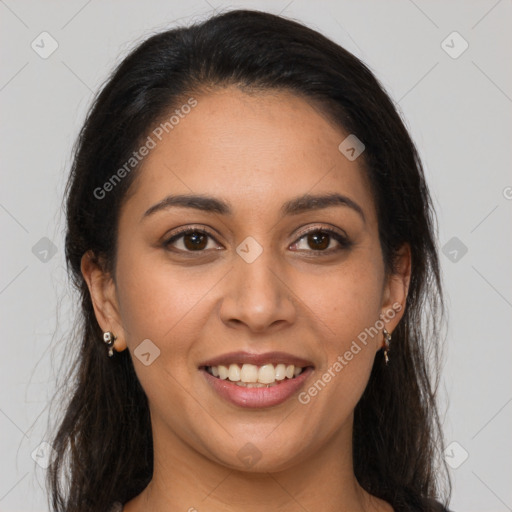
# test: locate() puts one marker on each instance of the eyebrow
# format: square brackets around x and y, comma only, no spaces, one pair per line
[295,206]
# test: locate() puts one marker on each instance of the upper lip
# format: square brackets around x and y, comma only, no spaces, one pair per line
[257,359]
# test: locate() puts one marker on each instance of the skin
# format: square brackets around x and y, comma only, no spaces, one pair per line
[255,152]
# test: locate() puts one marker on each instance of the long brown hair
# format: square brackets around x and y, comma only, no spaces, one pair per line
[102,437]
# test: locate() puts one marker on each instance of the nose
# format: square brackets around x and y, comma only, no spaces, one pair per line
[257,296]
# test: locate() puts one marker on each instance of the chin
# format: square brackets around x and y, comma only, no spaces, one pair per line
[260,457]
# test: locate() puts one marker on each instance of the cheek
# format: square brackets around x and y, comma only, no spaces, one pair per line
[346,300]
[165,306]
[346,304]
[346,308]
[154,299]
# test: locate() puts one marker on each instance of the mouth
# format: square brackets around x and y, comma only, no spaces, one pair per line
[253,376]
[256,380]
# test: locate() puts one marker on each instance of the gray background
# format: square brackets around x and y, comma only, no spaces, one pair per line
[457,109]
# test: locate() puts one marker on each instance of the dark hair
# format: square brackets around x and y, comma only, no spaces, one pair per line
[103,439]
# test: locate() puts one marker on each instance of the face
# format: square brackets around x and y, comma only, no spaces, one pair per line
[259,269]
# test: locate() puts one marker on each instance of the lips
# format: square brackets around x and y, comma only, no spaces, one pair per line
[241,357]
[256,395]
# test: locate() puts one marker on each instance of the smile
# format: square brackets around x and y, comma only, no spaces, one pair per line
[276,388]
[252,376]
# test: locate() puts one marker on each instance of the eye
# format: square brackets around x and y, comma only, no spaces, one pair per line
[190,240]
[322,240]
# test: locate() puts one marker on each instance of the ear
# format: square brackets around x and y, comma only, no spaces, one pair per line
[396,288]
[102,289]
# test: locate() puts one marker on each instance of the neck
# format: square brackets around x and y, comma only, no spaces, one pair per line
[184,479]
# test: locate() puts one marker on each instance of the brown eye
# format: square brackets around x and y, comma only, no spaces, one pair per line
[321,241]
[189,240]
[318,240]
[195,241]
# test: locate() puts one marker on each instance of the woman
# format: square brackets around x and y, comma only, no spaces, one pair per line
[252,238]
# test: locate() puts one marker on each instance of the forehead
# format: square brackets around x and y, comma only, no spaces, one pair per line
[255,150]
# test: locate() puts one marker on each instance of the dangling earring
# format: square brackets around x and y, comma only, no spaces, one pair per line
[385,345]
[109,339]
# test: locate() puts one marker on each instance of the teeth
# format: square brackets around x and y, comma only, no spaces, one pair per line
[223,372]
[280,371]
[267,374]
[254,385]
[250,375]
[234,373]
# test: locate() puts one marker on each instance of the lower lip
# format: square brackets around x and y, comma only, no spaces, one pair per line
[257,397]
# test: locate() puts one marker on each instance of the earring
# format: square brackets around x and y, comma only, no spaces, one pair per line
[109,339]
[385,345]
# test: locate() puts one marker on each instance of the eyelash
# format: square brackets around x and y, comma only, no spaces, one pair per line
[343,241]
